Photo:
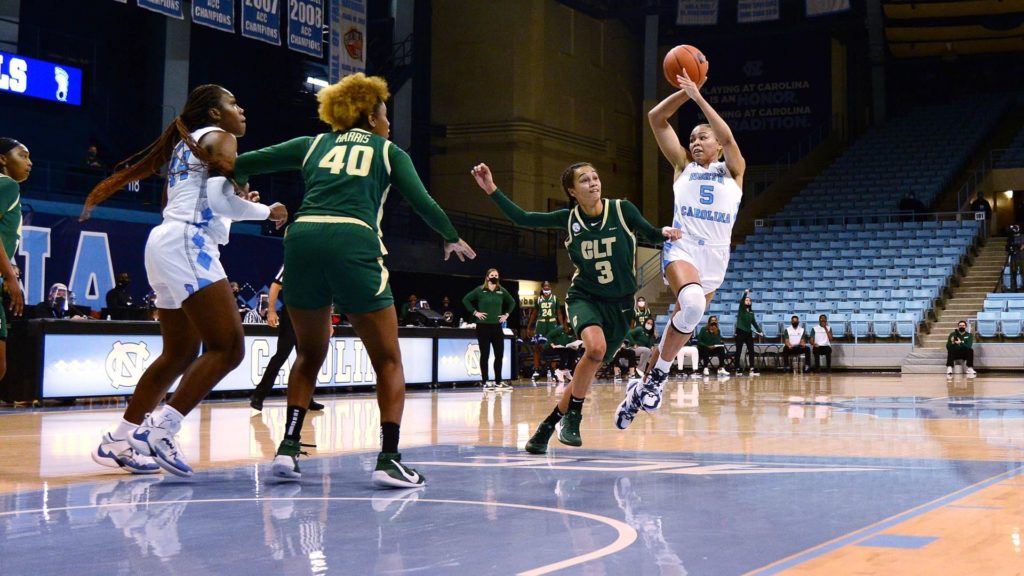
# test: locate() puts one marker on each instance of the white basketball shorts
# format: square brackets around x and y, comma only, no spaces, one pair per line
[180,260]
[710,261]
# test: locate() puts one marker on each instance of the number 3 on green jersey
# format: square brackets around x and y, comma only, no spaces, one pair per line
[355,160]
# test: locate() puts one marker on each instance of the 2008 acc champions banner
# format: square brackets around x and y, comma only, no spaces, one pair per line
[305,26]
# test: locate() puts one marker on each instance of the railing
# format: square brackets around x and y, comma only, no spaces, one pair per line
[870,217]
[649,270]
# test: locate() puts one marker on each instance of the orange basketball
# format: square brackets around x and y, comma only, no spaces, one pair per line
[685,57]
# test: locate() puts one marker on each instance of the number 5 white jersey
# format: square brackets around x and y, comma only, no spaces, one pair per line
[706,203]
[186,192]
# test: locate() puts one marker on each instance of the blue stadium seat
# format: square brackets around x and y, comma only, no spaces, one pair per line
[727,326]
[987,324]
[892,306]
[835,295]
[1015,305]
[922,294]
[1010,324]
[860,325]
[870,306]
[878,294]
[770,324]
[994,305]
[901,294]
[882,325]
[906,324]
[838,323]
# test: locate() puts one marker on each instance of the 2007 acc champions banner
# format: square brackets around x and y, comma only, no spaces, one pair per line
[305,26]
[261,20]
[216,14]
[348,38]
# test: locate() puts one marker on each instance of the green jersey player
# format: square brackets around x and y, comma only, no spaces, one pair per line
[602,238]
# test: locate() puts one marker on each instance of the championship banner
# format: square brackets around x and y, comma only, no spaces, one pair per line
[697,13]
[757,10]
[348,38]
[261,20]
[170,8]
[216,14]
[305,26]
[822,7]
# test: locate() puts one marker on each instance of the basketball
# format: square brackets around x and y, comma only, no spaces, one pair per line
[685,57]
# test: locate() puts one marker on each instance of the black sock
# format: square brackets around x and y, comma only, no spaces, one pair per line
[389,437]
[293,423]
[576,403]
[554,417]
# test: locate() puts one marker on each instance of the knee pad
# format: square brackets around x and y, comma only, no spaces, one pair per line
[691,308]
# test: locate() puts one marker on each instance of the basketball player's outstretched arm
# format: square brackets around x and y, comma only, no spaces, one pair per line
[638,224]
[733,158]
[277,158]
[557,219]
[668,141]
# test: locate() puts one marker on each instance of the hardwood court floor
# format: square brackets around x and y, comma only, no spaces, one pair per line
[824,474]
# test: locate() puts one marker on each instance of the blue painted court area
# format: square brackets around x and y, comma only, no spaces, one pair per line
[486,511]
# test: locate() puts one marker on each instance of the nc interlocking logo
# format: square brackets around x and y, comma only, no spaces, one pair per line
[473,360]
[125,363]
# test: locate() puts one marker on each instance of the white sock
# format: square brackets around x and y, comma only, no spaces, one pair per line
[167,413]
[123,429]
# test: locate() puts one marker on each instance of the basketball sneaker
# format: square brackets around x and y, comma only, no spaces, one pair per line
[391,473]
[504,385]
[569,432]
[971,373]
[286,462]
[156,439]
[628,408]
[949,371]
[723,372]
[119,454]
[650,392]
[538,443]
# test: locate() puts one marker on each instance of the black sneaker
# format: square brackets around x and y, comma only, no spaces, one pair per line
[256,403]
[315,406]
[538,443]
[569,433]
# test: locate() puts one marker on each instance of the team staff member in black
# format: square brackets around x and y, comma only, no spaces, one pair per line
[490,304]
[285,345]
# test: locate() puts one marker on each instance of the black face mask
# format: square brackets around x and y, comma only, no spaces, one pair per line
[58,302]
[963,329]
[795,324]
[492,280]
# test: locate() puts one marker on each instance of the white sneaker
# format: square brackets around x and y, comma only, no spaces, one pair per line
[721,372]
[752,373]
[707,372]
[504,385]
[971,373]
[949,371]
[157,440]
[120,454]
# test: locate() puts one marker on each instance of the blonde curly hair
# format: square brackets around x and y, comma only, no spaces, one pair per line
[348,103]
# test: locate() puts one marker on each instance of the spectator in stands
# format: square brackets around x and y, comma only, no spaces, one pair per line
[821,341]
[982,205]
[119,299]
[450,317]
[411,303]
[60,306]
[642,340]
[911,204]
[92,157]
[564,342]
[1015,255]
[795,343]
[959,347]
[746,326]
[710,344]
[243,306]
[641,312]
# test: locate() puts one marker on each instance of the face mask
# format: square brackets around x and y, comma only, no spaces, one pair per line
[795,324]
[59,301]
[963,329]
[641,304]
[546,292]
[650,327]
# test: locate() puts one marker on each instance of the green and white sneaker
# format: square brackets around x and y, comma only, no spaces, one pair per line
[569,433]
[391,473]
[286,462]
[538,443]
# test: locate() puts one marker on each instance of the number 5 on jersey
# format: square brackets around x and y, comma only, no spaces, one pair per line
[707,195]
[355,161]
